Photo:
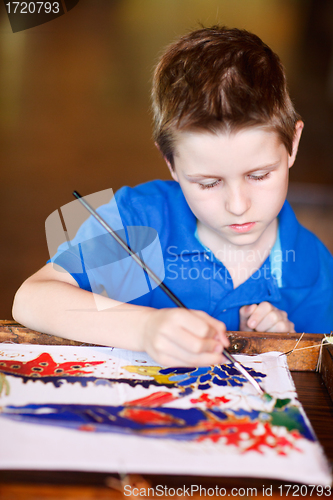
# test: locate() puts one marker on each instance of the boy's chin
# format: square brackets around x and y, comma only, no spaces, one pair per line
[242,239]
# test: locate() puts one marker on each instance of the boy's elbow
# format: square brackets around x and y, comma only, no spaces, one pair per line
[29,299]
[24,304]
[20,305]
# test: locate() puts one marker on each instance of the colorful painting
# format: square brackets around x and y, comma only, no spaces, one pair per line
[248,430]
[45,369]
[127,414]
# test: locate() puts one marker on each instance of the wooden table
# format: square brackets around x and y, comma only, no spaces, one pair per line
[315,391]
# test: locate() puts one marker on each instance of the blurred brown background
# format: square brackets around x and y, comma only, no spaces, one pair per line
[74,97]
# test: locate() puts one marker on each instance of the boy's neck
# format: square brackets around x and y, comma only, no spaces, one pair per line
[240,260]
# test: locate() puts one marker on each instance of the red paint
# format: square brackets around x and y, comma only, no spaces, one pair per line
[87,428]
[210,402]
[45,366]
[240,432]
[232,432]
[153,400]
[148,416]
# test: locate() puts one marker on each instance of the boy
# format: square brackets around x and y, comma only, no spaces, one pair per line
[233,250]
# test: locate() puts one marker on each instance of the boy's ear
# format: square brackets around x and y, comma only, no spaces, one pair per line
[297,136]
[170,167]
[172,170]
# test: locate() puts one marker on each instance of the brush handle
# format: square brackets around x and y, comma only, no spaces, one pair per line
[138,260]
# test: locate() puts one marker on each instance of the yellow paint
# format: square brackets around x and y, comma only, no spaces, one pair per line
[150,371]
[4,385]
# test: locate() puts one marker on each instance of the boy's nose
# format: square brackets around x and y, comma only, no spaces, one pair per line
[237,201]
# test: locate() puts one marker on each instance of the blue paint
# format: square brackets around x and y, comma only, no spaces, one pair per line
[185,424]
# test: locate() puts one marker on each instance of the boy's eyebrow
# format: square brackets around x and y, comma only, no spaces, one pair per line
[271,166]
[202,176]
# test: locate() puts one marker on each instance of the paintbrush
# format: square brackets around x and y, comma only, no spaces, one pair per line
[157,280]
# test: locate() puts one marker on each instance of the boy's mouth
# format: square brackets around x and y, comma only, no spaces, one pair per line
[242,228]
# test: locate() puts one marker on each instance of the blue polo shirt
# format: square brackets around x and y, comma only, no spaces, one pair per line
[297,277]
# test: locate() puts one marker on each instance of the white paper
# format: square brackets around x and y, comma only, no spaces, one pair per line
[156,437]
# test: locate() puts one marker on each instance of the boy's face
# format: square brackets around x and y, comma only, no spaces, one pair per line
[235,184]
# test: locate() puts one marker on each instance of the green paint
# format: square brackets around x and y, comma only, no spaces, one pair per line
[286,415]
[290,418]
[281,403]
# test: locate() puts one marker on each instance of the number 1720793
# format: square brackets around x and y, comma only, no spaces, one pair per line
[304,490]
[33,7]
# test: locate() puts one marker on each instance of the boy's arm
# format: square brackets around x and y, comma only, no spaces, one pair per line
[51,302]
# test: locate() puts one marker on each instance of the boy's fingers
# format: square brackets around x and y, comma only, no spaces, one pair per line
[267,323]
[184,339]
[246,311]
[182,318]
[275,322]
[244,314]
[283,327]
[261,311]
[268,318]
[217,327]
[264,317]
[174,355]
[199,324]
[193,323]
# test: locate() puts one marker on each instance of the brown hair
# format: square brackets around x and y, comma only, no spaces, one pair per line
[220,79]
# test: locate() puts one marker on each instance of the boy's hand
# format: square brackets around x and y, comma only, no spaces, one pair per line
[179,337]
[264,317]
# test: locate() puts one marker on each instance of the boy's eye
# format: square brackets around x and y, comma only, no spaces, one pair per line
[209,186]
[259,177]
